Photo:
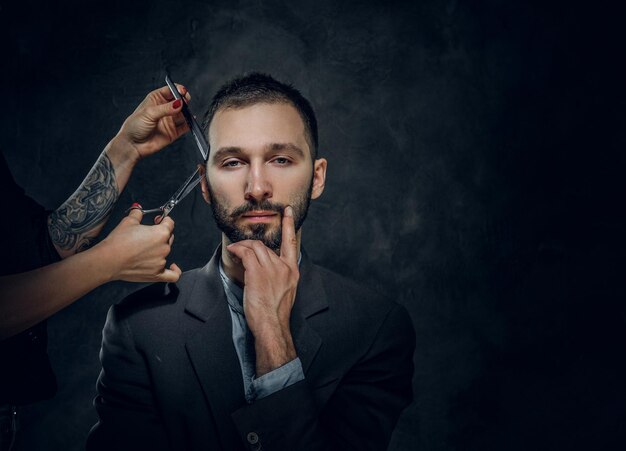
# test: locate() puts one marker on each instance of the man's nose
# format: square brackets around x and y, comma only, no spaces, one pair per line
[258,187]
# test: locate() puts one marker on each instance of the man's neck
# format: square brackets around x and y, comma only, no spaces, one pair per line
[232,264]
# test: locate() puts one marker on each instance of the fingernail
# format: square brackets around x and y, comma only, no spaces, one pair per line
[136,205]
[176,105]
[288,211]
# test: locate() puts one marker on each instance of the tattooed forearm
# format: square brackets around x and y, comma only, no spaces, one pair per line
[88,207]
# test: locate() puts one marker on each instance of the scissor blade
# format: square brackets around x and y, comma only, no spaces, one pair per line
[196,131]
[186,187]
[182,192]
[189,188]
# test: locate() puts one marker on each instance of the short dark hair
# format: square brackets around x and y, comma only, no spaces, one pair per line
[256,88]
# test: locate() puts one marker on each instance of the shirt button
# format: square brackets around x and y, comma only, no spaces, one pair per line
[253,438]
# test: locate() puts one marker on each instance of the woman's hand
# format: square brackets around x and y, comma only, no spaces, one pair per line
[137,253]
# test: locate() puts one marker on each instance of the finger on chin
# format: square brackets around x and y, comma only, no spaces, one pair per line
[244,243]
[234,248]
[288,247]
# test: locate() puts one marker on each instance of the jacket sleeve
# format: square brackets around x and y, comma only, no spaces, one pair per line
[128,418]
[361,413]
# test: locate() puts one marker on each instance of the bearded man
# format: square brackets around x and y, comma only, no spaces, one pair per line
[260,348]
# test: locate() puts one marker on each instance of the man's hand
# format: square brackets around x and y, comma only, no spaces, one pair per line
[157,122]
[270,283]
[136,252]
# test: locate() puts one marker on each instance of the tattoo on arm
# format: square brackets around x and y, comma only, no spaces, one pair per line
[87,208]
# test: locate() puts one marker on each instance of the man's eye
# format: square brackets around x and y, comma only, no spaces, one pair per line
[231,163]
[282,161]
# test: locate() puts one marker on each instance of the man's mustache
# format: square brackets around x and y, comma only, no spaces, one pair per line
[256,206]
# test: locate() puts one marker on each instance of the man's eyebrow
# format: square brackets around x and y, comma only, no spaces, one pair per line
[223,152]
[286,146]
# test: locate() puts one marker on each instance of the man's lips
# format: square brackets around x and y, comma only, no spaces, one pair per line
[259,216]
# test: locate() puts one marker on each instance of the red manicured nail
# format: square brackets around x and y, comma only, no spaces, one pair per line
[136,205]
[177,104]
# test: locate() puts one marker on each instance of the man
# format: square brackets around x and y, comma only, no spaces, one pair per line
[259,349]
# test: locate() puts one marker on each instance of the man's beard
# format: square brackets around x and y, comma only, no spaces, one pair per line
[268,234]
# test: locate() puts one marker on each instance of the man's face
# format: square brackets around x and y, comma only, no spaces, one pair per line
[259,163]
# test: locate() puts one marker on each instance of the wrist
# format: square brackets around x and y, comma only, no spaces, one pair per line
[122,152]
[105,258]
[274,348]
[268,329]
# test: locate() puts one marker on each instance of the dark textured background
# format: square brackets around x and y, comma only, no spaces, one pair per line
[476,159]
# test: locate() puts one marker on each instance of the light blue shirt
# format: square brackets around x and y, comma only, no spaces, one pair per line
[253,387]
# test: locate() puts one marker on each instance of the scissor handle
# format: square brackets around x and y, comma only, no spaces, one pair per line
[146,212]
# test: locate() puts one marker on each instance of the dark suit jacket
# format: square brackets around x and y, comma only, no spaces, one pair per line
[171,379]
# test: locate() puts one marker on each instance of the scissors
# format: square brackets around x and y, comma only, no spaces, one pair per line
[179,195]
[203,147]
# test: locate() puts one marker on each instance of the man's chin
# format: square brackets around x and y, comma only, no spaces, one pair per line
[269,235]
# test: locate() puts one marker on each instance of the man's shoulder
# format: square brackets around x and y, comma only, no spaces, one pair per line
[358,310]
[157,299]
[350,296]
[339,281]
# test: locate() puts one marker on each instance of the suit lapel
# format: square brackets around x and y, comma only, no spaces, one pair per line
[211,350]
[310,300]
[210,346]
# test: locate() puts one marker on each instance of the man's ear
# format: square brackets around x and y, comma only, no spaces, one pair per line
[204,184]
[319,177]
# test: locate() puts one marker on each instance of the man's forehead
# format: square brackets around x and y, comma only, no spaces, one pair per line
[258,125]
